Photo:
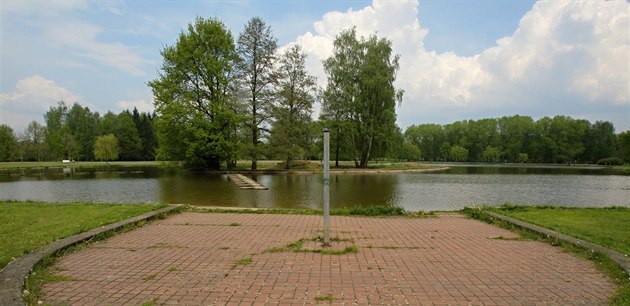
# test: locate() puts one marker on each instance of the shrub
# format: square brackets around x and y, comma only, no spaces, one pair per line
[610,161]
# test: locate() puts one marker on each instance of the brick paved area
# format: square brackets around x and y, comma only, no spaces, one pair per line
[192,259]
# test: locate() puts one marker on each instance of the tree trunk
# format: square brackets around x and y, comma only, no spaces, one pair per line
[254,141]
[365,155]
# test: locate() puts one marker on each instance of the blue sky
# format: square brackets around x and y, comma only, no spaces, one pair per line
[459,59]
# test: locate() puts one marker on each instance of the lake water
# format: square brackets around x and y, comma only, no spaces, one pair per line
[451,190]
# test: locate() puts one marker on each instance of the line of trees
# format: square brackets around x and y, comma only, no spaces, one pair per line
[218,100]
[560,139]
[72,132]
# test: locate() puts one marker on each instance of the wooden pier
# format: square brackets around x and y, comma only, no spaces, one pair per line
[244,182]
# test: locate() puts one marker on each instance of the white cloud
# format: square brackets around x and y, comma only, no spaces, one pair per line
[142,105]
[565,53]
[81,37]
[31,99]
[58,25]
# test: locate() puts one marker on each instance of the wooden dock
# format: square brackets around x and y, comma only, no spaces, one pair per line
[244,182]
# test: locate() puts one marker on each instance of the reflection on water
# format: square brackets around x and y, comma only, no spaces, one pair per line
[412,191]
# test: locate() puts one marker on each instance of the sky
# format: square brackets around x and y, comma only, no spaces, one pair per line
[459,60]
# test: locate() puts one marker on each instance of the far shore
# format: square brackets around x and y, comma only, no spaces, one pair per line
[304,167]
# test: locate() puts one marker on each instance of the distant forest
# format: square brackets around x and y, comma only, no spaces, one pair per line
[560,139]
[70,132]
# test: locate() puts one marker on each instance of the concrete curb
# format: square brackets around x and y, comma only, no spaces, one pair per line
[621,259]
[12,277]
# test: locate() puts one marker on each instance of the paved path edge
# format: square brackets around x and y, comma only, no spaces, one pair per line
[13,276]
[622,260]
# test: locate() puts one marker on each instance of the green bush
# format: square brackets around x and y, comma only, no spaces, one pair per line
[378,211]
[610,161]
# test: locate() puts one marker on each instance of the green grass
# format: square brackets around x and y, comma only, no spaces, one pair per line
[623,168]
[371,211]
[609,227]
[297,247]
[94,164]
[324,298]
[26,226]
[243,262]
[572,227]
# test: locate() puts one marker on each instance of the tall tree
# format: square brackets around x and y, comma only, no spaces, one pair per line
[428,138]
[146,131]
[516,135]
[107,124]
[600,141]
[83,125]
[256,48]
[194,97]
[295,94]
[129,143]
[623,145]
[35,138]
[8,143]
[361,74]
[59,140]
[106,148]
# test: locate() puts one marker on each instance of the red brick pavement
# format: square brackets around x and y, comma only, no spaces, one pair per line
[190,259]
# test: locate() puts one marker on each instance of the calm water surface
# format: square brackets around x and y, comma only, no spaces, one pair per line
[452,190]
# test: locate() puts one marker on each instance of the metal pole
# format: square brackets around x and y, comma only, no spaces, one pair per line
[326,188]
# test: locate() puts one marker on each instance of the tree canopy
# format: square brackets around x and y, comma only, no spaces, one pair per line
[256,48]
[195,97]
[106,147]
[295,95]
[360,94]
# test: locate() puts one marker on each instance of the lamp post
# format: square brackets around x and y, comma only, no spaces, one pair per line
[326,188]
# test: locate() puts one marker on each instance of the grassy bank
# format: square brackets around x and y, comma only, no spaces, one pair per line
[604,226]
[92,164]
[609,227]
[370,211]
[26,226]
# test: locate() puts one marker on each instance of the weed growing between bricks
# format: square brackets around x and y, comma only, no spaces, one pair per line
[324,298]
[297,247]
[602,262]
[42,274]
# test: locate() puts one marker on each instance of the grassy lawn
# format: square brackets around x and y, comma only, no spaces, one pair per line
[25,226]
[58,164]
[609,227]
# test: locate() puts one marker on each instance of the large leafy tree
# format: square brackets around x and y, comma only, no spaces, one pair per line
[256,48]
[8,143]
[83,125]
[146,131]
[600,141]
[34,141]
[295,94]
[60,142]
[129,142]
[106,147]
[361,93]
[194,97]
[623,145]
[427,137]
